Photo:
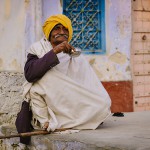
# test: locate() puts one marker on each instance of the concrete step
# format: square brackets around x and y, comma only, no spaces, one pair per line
[131,132]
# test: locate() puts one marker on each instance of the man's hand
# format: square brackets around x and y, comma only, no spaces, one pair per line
[46,125]
[63,47]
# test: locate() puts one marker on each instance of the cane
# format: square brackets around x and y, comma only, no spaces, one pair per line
[39,132]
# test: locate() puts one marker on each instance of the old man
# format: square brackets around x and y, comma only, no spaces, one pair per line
[64,92]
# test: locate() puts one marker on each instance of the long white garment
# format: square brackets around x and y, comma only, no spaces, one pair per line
[69,95]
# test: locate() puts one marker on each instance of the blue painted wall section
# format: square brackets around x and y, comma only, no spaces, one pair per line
[88,20]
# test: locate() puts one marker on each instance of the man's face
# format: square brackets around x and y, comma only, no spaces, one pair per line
[58,35]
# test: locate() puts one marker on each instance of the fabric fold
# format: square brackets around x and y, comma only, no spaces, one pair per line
[69,95]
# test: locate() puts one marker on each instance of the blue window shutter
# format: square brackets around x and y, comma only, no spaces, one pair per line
[88,21]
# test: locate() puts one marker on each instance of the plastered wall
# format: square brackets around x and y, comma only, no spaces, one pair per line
[115,64]
[12,24]
[21,23]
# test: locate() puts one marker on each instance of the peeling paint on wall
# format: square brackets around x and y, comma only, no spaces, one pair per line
[108,70]
[122,24]
[7,8]
[115,65]
[12,23]
[15,65]
[128,69]
[92,61]
[118,57]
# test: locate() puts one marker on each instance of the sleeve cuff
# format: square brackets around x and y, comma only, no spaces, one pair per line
[52,59]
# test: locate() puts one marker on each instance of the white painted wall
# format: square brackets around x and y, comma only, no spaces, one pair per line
[21,24]
[115,64]
[50,7]
[12,24]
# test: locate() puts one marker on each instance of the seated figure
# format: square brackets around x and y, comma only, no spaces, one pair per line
[64,92]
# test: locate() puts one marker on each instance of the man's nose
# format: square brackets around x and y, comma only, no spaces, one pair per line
[62,31]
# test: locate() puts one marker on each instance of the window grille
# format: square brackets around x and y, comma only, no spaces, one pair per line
[88,21]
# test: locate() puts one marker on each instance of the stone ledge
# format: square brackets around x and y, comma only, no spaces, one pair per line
[10,96]
[130,132]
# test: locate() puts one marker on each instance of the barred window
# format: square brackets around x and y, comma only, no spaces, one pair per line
[88,21]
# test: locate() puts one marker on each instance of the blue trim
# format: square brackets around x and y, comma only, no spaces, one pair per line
[103,35]
[101,25]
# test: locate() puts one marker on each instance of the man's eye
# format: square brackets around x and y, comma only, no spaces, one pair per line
[65,29]
[57,28]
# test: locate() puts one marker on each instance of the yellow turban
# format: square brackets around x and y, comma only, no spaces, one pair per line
[54,20]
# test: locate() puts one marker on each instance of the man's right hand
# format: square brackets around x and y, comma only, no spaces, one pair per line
[46,125]
[63,47]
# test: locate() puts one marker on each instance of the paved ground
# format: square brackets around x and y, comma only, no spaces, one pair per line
[131,132]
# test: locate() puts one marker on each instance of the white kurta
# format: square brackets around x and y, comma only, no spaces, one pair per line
[69,95]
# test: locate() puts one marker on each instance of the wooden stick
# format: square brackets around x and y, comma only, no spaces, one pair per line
[38,132]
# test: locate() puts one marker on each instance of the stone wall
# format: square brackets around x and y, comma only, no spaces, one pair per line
[10,96]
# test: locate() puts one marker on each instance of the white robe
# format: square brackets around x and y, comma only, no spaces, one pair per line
[69,95]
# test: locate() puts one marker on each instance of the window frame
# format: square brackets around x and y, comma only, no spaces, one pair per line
[102,38]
